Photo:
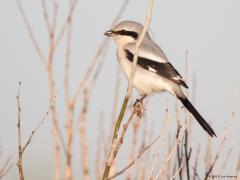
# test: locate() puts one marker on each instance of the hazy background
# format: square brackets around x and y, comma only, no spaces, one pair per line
[210,30]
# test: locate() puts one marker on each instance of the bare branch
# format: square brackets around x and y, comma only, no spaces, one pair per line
[96,57]
[64,27]
[22,148]
[38,126]
[178,141]
[140,154]
[179,169]
[30,32]
[196,162]
[19,163]
[216,156]
[46,16]
[6,167]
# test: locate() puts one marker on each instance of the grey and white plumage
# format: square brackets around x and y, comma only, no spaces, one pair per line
[154,72]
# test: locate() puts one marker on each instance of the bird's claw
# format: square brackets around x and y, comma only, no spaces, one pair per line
[138,107]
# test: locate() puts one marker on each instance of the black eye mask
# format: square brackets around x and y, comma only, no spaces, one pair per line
[132,34]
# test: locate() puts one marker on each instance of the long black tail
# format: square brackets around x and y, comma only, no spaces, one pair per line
[196,114]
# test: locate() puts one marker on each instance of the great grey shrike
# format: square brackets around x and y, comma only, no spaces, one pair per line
[154,72]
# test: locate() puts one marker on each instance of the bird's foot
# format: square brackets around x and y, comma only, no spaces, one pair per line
[138,107]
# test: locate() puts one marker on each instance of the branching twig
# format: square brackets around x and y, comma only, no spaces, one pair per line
[216,156]
[135,159]
[46,16]
[115,147]
[178,141]
[22,148]
[96,57]
[66,22]
[31,34]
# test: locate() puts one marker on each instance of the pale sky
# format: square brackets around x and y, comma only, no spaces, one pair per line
[208,29]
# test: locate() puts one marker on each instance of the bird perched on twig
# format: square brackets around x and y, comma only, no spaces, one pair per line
[154,73]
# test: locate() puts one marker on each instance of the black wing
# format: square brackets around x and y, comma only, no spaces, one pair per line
[163,69]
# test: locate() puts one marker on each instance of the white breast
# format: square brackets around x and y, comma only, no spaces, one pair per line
[146,82]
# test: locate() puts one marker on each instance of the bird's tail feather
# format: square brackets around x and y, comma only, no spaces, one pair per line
[197,116]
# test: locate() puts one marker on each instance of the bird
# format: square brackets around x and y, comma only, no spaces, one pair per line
[154,72]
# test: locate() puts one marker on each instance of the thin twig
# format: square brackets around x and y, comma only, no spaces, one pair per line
[31,34]
[196,174]
[226,159]
[115,102]
[96,57]
[178,141]
[153,165]
[115,147]
[138,44]
[135,159]
[187,155]
[20,153]
[69,107]
[6,167]
[83,136]
[179,169]
[46,16]
[22,148]
[64,27]
[196,162]
[226,129]
[216,156]
[179,154]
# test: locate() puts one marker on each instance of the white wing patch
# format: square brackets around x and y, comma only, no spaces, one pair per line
[177,78]
[152,70]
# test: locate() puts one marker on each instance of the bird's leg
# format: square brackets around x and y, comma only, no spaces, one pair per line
[139,100]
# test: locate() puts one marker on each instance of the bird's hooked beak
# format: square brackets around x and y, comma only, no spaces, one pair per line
[108,33]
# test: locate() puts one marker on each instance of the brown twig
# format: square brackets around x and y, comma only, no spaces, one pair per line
[96,57]
[179,153]
[178,171]
[226,159]
[135,159]
[187,154]
[229,121]
[83,135]
[31,34]
[196,163]
[22,148]
[178,141]
[115,147]
[196,175]
[216,156]
[69,107]
[46,16]
[66,22]
[101,146]
[6,167]
[20,153]
[115,102]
